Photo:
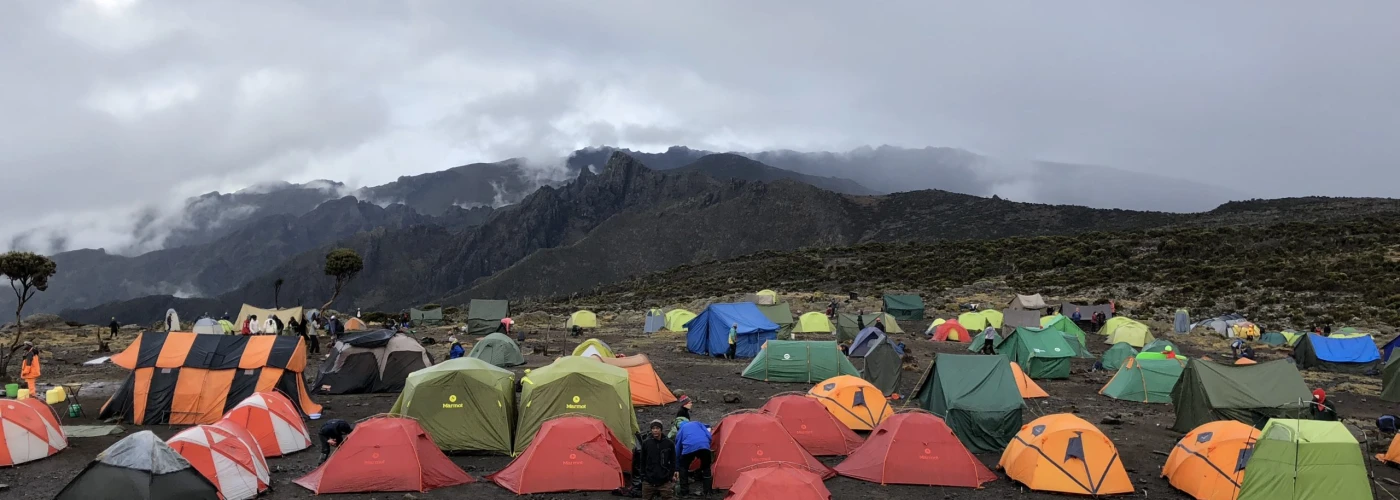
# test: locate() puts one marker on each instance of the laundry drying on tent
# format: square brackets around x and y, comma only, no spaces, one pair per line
[904,307]
[768,480]
[977,397]
[798,361]
[813,322]
[1208,463]
[574,384]
[1029,389]
[426,316]
[857,403]
[708,333]
[1115,356]
[464,404]
[497,349]
[371,362]
[808,421]
[188,378]
[748,437]
[1251,394]
[1062,453]
[780,314]
[1306,459]
[140,466]
[677,318]
[951,331]
[29,431]
[1333,354]
[915,447]
[226,455]
[1145,380]
[646,386]
[569,453]
[273,422]
[484,316]
[582,319]
[1126,330]
[593,347]
[883,366]
[850,325]
[385,454]
[1042,353]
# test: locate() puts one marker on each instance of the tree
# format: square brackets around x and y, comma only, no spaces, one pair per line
[29,274]
[343,264]
[277,294]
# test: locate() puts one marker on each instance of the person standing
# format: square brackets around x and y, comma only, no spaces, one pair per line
[1321,408]
[280,326]
[692,444]
[733,338]
[332,434]
[686,404]
[1076,316]
[29,369]
[270,326]
[658,459]
[989,341]
[114,325]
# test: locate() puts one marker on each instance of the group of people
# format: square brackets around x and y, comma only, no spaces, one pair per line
[661,461]
[305,328]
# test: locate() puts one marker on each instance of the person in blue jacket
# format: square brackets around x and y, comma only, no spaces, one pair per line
[693,443]
[456,351]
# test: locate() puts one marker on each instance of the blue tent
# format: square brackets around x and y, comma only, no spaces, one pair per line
[1389,346]
[866,340]
[708,333]
[1357,354]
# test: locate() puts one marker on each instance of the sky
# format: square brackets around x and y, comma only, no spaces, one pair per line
[115,109]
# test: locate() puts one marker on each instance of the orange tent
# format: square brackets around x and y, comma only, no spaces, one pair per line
[915,447]
[855,402]
[748,437]
[385,454]
[1208,462]
[1392,454]
[1062,453]
[951,330]
[355,325]
[1029,389]
[815,428]
[569,453]
[1246,361]
[784,480]
[647,387]
[273,422]
[227,456]
[29,430]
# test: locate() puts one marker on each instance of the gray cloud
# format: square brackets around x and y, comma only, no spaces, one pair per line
[115,110]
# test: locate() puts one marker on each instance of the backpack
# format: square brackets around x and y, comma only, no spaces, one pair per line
[1386,423]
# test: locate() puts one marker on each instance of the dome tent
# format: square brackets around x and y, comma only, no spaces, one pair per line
[273,422]
[768,480]
[29,430]
[371,362]
[1088,465]
[498,349]
[808,421]
[207,326]
[646,386]
[569,453]
[140,466]
[677,318]
[226,455]
[813,322]
[464,404]
[857,403]
[593,347]
[747,437]
[384,454]
[1208,463]
[582,319]
[915,447]
[976,395]
[574,384]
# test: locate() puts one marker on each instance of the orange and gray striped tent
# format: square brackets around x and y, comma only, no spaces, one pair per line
[189,379]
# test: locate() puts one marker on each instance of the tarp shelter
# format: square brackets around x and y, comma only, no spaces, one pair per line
[816,429]
[1332,354]
[798,361]
[426,316]
[1273,338]
[1062,453]
[1012,318]
[484,316]
[1041,353]
[677,318]
[1390,382]
[1029,389]
[883,366]
[385,454]
[951,331]
[995,318]
[207,326]
[1251,394]
[1086,312]
[582,319]
[1208,463]
[286,315]
[866,341]
[593,347]
[29,430]
[464,404]
[569,453]
[1306,459]
[1115,356]
[273,422]
[356,325]
[1065,326]
[1145,380]
[747,438]
[857,403]
[814,322]
[172,321]
[915,447]
[905,307]
[1028,302]
[1181,323]
[1125,330]
[573,384]
[850,325]
[647,387]
[140,466]
[768,480]
[655,321]
[766,297]
[226,455]
[371,362]
[189,379]
[709,331]
[497,349]
[973,321]
[976,395]
[780,314]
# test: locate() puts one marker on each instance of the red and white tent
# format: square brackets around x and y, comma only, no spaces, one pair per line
[273,422]
[227,456]
[29,431]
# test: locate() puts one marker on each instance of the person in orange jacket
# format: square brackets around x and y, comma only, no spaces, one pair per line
[29,367]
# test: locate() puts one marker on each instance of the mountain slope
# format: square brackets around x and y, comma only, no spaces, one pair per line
[733,166]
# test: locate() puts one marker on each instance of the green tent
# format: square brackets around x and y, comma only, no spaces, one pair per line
[1160,345]
[807,361]
[484,316]
[882,367]
[427,317]
[498,349]
[849,325]
[1390,381]
[1064,325]
[576,384]
[464,404]
[1252,394]
[1145,380]
[781,314]
[979,338]
[1041,353]
[1114,357]
[1273,338]
[1306,459]
[905,307]
[976,396]
[1080,351]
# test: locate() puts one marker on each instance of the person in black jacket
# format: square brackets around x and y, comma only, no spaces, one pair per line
[332,434]
[114,326]
[658,464]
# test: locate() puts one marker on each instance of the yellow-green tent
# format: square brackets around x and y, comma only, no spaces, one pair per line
[677,318]
[767,297]
[994,317]
[593,347]
[934,326]
[1125,330]
[973,321]
[1046,320]
[582,319]
[813,322]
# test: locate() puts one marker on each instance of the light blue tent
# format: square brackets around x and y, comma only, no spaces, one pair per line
[708,333]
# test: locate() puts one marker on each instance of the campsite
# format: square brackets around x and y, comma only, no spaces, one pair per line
[1142,432]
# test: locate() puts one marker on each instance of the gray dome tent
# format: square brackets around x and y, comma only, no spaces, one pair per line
[208,326]
[368,362]
[140,466]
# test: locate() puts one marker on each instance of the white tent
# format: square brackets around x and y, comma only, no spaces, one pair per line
[208,326]
[172,320]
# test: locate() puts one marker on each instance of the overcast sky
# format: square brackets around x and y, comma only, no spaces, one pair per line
[111,105]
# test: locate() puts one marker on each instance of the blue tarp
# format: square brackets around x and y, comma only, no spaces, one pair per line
[1352,350]
[708,333]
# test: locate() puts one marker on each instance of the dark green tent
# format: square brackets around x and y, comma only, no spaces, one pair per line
[807,361]
[1066,326]
[1390,381]
[979,338]
[1159,345]
[1145,380]
[1252,394]
[1080,351]
[1356,354]
[850,325]
[882,367]
[905,307]
[1114,357]
[1041,353]
[428,317]
[463,403]
[781,314]
[499,350]
[976,396]
[484,316]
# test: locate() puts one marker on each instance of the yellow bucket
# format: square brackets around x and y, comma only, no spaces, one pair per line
[55,396]
[23,394]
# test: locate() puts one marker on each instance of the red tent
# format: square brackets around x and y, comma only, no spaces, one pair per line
[951,326]
[744,439]
[570,453]
[778,480]
[385,454]
[915,448]
[808,421]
